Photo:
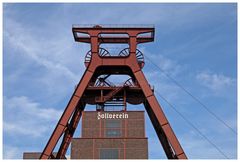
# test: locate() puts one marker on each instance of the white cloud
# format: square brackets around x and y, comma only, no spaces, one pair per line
[169,66]
[55,57]
[215,82]
[24,40]
[159,78]
[21,129]
[25,117]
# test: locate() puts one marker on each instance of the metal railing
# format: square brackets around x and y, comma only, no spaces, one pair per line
[113,25]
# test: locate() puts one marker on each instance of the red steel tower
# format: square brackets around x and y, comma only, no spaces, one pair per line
[94,88]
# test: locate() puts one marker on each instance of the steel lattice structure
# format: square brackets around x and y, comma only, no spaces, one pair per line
[94,88]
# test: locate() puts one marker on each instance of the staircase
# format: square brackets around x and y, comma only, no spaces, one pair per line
[109,96]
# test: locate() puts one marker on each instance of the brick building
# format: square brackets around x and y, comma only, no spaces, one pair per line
[108,135]
[111,135]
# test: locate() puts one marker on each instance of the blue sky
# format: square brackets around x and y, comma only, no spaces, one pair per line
[196,44]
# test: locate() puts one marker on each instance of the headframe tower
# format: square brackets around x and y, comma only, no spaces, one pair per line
[94,88]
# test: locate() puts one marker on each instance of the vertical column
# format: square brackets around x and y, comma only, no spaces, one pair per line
[132,44]
[94,50]
[94,44]
[132,60]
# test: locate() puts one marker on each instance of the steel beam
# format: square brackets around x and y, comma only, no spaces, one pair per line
[161,125]
[70,131]
[63,122]
[112,65]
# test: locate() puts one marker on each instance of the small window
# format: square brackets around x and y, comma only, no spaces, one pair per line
[113,124]
[113,128]
[109,154]
[113,133]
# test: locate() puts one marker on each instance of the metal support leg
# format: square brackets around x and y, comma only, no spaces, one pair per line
[63,122]
[70,131]
[161,125]
[162,137]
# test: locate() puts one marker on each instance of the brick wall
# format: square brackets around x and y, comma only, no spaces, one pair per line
[129,140]
[131,127]
[87,148]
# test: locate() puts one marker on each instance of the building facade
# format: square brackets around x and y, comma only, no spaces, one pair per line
[111,135]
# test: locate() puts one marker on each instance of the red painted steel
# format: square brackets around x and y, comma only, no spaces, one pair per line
[94,88]
[69,132]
